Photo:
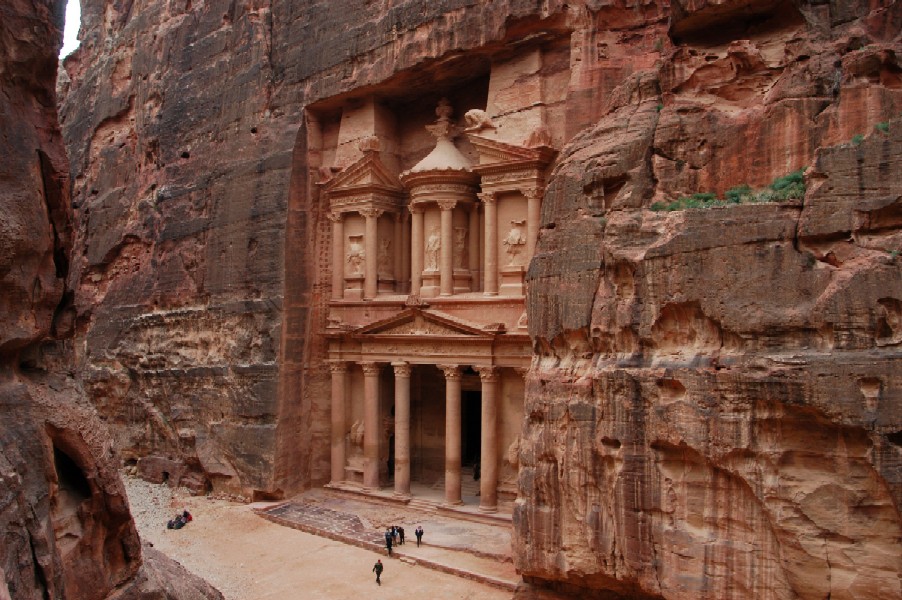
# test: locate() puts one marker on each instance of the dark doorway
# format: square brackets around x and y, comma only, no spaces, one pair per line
[471,427]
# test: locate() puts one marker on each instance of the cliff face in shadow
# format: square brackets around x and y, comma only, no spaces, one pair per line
[64,518]
[713,406]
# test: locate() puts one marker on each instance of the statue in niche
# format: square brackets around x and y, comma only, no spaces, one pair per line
[515,240]
[356,434]
[460,245]
[433,245]
[384,260]
[356,254]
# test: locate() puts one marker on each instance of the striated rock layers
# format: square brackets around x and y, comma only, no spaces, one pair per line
[713,408]
[64,520]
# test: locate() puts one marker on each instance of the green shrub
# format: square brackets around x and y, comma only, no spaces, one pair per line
[884,126]
[857,138]
[739,194]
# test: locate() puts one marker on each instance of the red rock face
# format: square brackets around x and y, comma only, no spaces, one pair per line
[713,408]
[64,518]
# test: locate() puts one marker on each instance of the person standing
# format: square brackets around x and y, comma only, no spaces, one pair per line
[419,533]
[388,540]
[400,534]
[377,569]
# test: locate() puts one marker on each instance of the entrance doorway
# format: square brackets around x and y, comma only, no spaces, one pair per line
[471,428]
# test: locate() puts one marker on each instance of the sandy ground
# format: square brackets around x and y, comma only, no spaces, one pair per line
[249,558]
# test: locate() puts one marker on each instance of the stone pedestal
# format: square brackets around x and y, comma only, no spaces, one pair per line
[431,284]
[462,281]
[386,285]
[354,287]
[512,278]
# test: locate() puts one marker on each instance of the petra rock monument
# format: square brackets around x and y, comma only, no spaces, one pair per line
[637,262]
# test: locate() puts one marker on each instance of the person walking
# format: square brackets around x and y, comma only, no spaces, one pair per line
[377,569]
[419,533]
[388,540]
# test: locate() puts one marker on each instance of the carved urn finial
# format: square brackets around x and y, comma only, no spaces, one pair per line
[443,128]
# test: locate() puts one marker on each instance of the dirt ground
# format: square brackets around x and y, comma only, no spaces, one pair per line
[249,558]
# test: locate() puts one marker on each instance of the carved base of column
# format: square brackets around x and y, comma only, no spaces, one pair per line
[354,287]
[488,509]
[512,281]
[386,285]
[462,281]
[431,284]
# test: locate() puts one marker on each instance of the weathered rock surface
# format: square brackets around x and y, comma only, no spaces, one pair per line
[64,518]
[713,408]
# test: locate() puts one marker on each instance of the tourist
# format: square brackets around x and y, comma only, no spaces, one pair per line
[419,533]
[388,539]
[400,535]
[377,569]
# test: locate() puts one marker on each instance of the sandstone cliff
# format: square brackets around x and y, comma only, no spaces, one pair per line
[64,518]
[713,407]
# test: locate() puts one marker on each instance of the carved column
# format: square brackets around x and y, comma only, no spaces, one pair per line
[533,216]
[339,419]
[402,428]
[338,255]
[473,250]
[488,466]
[491,244]
[398,245]
[452,433]
[371,424]
[446,263]
[405,253]
[416,250]
[370,273]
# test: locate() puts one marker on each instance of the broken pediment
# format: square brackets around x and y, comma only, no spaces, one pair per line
[493,152]
[419,322]
[366,174]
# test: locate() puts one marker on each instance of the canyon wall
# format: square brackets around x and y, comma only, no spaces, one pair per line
[64,518]
[713,405]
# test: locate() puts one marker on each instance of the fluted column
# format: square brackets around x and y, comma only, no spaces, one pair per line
[371,247]
[491,244]
[473,250]
[488,466]
[371,425]
[446,262]
[402,428]
[452,433]
[416,250]
[405,253]
[338,255]
[339,419]
[533,216]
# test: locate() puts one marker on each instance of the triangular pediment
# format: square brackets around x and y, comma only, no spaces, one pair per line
[367,172]
[419,322]
[495,151]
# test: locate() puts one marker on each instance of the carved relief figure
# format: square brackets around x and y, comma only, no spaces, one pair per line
[515,240]
[356,434]
[433,245]
[477,120]
[460,246]
[384,260]
[356,254]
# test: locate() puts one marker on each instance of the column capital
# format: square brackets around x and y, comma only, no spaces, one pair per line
[416,209]
[450,371]
[371,213]
[522,370]
[446,204]
[402,369]
[338,366]
[335,216]
[487,197]
[488,373]
[534,193]
[371,368]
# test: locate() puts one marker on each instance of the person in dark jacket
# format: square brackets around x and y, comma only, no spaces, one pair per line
[377,569]
[388,540]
